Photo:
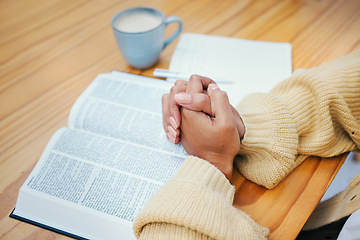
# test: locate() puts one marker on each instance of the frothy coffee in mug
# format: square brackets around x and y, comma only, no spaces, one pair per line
[140,21]
[140,34]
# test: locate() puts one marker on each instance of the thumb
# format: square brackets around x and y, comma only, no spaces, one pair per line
[220,105]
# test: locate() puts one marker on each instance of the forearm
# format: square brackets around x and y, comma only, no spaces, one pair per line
[196,202]
[325,105]
[314,112]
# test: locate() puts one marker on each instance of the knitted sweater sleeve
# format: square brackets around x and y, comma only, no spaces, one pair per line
[196,204]
[314,112]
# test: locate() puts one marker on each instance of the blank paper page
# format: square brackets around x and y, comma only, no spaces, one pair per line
[252,66]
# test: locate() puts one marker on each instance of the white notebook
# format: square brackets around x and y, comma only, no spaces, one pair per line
[252,66]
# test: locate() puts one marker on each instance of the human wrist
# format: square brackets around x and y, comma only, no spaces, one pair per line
[226,170]
[241,128]
[239,123]
[224,164]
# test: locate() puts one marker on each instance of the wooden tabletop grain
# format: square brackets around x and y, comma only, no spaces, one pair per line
[51,50]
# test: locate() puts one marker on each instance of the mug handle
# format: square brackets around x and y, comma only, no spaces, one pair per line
[169,20]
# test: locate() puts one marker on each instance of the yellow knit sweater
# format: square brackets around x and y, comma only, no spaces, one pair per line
[314,112]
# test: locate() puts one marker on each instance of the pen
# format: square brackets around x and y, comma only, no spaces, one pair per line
[158,72]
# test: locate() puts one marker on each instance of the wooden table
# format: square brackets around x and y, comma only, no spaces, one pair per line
[51,50]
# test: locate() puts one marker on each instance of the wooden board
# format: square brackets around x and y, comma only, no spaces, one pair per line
[285,209]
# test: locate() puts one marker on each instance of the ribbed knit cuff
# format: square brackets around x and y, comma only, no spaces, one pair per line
[269,148]
[166,231]
[196,201]
[207,175]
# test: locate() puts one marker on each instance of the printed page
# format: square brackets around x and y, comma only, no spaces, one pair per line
[95,176]
[124,106]
[252,66]
[93,186]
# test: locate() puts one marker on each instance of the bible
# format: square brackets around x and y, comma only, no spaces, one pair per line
[95,175]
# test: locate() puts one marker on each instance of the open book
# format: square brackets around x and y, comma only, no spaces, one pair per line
[252,66]
[97,174]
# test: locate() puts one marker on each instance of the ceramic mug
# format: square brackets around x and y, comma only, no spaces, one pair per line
[140,34]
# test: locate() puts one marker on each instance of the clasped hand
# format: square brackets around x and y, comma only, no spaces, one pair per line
[198,114]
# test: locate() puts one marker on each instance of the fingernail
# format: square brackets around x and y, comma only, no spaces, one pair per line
[213,86]
[173,123]
[172,131]
[171,138]
[183,98]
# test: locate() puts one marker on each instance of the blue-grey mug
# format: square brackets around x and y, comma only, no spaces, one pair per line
[140,34]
